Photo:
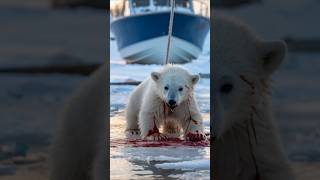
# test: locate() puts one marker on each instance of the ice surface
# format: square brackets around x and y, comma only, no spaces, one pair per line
[38,99]
[203,175]
[202,164]
[127,161]
[154,162]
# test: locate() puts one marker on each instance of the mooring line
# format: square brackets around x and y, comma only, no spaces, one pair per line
[170,30]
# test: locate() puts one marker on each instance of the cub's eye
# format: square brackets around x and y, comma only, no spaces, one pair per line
[166,88]
[226,88]
[180,89]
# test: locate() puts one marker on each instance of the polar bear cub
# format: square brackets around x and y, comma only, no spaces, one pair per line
[247,144]
[166,98]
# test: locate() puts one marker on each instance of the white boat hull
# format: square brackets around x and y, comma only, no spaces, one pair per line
[153,51]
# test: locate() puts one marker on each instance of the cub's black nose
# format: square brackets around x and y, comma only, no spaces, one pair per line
[172,102]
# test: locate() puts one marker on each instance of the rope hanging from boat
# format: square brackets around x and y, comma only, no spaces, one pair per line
[172,2]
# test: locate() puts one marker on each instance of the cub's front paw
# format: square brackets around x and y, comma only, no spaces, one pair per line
[196,136]
[133,134]
[156,137]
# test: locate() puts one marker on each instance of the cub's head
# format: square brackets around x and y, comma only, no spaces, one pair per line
[174,84]
[243,64]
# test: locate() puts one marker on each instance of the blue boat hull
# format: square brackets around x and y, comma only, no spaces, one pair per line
[136,37]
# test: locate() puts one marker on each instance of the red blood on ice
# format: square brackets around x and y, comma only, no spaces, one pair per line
[195,136]
[171,142]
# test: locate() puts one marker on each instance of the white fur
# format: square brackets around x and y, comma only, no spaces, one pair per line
[241,151]
[79,146]
[247,145]
[78,150]
[147,104]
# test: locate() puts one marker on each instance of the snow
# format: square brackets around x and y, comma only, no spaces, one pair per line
[272,20]
[152,162]
[39,99]
[119,71]
[134,161]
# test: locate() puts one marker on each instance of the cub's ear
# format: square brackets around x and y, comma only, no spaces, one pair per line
[273,53]
[155,76]
[195,78]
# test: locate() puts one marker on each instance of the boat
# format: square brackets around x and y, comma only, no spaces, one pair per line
[141,28]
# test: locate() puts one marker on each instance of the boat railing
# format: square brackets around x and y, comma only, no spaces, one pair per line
[121,8]
[201,7]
